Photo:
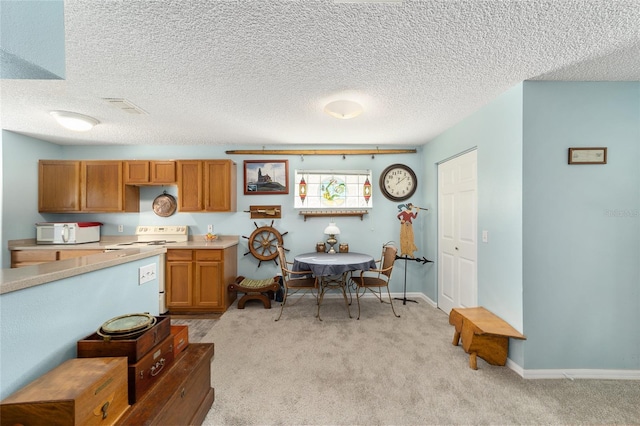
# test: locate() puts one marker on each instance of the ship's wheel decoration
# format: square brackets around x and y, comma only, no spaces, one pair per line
[263,243]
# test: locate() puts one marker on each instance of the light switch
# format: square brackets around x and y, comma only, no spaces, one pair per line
[485,236]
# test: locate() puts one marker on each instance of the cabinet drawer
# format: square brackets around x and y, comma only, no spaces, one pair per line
[208,255]
[33,256]
[180,255]
[70,254]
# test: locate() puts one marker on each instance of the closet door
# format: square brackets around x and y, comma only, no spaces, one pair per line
[458,232]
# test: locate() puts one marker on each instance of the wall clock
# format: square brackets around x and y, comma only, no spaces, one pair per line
[398,182]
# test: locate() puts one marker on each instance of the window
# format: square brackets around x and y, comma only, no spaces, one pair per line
[333,189]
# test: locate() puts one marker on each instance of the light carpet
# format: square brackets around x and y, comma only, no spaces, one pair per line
[382,370]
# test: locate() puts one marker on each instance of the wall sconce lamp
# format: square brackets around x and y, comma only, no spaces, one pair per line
[74,121]
[332,230]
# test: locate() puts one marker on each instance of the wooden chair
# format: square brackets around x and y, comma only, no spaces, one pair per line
[375,279]
[294,282]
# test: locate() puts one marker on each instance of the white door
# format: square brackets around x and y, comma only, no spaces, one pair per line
[457,232]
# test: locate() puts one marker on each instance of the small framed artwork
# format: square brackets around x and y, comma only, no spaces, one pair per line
[587,155]
[266,177]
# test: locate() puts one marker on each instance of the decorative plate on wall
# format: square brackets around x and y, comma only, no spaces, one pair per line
[164,205]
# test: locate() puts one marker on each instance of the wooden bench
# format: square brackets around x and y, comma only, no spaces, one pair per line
[484,335]
[255,290]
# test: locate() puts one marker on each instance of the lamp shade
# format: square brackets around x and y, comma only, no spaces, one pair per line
[332,229]
[343,109]
[74,121]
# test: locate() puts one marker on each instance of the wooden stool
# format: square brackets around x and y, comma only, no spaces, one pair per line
[255,290]
[484,335]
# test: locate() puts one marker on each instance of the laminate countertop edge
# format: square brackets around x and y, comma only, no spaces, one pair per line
[15,279]
[195,242]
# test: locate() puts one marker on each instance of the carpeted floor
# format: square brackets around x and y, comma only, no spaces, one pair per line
[382,370]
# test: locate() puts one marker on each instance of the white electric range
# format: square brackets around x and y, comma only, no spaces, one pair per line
[156,236]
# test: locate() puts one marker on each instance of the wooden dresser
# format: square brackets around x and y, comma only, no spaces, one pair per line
[182,396]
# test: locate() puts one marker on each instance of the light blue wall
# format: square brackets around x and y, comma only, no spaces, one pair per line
[40,326]
[32,39]
[20,155]
[496,132]
[368,235]
[582,226]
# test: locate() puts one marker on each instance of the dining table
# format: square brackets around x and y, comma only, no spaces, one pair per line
[332,270]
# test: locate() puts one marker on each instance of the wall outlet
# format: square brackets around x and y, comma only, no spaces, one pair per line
[210,228]
[147,273]
[120,228]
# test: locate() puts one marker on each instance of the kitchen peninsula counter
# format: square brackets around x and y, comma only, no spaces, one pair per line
[195,242]
[30,276]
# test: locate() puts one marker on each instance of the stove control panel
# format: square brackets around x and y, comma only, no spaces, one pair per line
[178,233]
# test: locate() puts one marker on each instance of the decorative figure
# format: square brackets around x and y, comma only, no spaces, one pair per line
[406,215]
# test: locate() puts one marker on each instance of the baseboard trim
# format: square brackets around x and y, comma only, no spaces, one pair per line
[573,374]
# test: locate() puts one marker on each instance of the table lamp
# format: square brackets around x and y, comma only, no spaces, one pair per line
[332,230]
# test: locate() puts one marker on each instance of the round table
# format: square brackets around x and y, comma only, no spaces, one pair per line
[331,269]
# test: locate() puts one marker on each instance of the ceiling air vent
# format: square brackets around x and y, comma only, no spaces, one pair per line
[124,105]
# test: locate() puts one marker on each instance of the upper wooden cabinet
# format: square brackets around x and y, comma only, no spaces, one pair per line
[207,185]
[154,172]
[58,186]
[85,187]
[111,186]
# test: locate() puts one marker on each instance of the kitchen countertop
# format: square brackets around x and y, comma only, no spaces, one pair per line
[30,276]
[195,242]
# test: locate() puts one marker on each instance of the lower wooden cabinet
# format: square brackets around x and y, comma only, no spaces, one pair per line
[21,258]
[197,280]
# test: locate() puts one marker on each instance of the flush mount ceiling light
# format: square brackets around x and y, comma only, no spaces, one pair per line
[74,121]
[367,1]
[343,109]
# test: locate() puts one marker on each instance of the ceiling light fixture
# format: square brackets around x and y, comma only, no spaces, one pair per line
[74,121]
[343,109]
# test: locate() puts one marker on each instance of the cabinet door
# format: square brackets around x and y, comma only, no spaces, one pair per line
[136,172]
[208,285]
[163,171]
[219,185]
[103,189]
[179,284]
[190,186]
[102,186]
[58,186]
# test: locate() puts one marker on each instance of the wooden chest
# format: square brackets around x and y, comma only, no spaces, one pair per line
[80,391]
[180,334]
[146,372]
[183,396]
[134,349]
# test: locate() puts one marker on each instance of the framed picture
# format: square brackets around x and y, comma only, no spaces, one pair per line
[266,177]
[587,155]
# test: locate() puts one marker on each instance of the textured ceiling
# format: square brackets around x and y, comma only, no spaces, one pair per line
[259,72]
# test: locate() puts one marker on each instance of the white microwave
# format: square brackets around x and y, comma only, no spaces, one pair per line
[67,232]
